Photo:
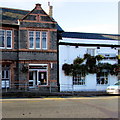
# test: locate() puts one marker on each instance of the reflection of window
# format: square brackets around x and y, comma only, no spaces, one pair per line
[79,79]
[102,78]
[91,51]
[37,40]
[5,38]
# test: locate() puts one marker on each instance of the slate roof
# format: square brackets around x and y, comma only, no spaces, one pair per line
[81,35]
[10,16]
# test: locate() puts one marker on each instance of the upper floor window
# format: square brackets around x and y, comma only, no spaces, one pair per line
[5,39]
[37,40]
[91,51]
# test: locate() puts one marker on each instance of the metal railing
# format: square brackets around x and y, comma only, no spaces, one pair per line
[48,88]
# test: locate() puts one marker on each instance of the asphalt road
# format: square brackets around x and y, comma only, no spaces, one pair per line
[82,107]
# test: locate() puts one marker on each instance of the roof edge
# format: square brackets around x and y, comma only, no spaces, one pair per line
[93,33]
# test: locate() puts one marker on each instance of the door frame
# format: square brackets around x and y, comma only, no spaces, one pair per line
[38,70]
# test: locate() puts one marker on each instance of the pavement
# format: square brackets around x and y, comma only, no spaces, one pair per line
[36,94]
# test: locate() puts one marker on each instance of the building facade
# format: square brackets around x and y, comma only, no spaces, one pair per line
[29,48]
[35,49]
[88,61]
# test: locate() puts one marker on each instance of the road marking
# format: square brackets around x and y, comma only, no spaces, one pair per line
[37,99]
[6,102]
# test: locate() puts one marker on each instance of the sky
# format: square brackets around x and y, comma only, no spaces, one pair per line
[93,16]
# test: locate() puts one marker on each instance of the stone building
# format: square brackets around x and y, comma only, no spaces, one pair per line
[29,48]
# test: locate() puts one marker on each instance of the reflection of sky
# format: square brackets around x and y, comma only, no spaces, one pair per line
[77,16]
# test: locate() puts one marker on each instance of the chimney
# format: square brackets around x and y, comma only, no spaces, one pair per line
[38,6]
[50,10]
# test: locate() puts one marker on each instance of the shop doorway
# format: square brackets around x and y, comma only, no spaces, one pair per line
[37,75]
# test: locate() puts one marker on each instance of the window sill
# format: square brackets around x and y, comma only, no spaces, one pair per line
[102,84]
[79,85]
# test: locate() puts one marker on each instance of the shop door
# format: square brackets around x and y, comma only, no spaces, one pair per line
[32,79]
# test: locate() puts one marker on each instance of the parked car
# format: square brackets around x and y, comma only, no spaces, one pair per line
[114,89]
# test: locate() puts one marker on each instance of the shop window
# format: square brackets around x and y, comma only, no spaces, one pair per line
[37,75]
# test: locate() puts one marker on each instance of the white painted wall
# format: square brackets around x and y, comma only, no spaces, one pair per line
[68,53]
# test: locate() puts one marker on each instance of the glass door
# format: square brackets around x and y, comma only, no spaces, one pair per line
[32,79]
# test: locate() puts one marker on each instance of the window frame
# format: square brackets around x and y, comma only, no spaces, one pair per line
[6,38]
[102,76]
[38,70]
[5,71]
[35,40]
[80,81]
[89,51]
[5,80]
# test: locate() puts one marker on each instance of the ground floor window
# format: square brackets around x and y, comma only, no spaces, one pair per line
[38,75]
[5,76]
[79,79]
[102,78]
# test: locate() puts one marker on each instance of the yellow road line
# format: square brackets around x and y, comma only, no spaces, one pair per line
[5,102]
[37,99]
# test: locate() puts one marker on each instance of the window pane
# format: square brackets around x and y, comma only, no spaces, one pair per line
[37,39]
[91,51]
[79,79]
[31,84]
[44,40]
[31,75]
[43,78]
[7,74]
[102,78]
[2,38]
[9,38]
[3,74]
[31,39]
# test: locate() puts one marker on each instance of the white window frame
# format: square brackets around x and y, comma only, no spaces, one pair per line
[34,40]
[105,76]
[42,39]
[6,80]
[29,40]
[38,70]
[91,51]
[5,39]
[77,80]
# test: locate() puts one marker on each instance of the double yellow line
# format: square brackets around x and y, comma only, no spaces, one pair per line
[39,99]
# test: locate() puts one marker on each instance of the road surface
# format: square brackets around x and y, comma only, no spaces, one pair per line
[80,107]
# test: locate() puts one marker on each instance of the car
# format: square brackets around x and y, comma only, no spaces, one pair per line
[114,89]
